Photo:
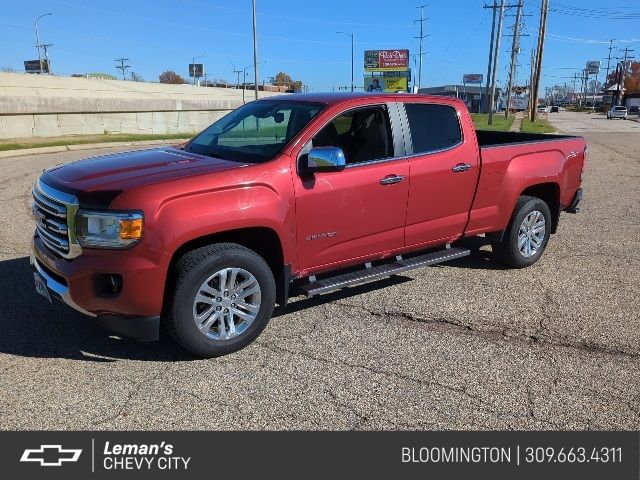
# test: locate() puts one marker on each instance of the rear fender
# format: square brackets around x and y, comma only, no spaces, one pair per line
[524,172]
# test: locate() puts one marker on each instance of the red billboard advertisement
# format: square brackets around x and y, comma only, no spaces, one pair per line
[394,59]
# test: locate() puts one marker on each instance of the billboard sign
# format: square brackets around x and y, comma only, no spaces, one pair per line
[472,78]
[196,70]
[386,84]
[386,60]
[33,66]
[593,67]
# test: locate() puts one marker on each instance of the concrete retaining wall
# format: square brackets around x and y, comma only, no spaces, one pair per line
[48,106]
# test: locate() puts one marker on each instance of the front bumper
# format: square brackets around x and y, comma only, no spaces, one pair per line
[57,289]
[134,312]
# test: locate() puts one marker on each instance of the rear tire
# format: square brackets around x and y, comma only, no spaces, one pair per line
[527,235]
[222,299]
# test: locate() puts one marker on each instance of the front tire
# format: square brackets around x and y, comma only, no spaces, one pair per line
[223,297]
[527,235]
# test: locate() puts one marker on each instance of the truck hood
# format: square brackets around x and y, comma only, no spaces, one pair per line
[97,181]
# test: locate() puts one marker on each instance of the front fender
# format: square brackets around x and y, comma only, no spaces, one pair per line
[182,210]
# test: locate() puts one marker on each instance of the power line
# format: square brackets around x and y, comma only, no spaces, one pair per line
[122,66]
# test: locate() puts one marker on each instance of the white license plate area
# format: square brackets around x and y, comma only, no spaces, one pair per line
[41,286]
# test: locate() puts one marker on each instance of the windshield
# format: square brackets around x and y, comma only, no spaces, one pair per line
[256,132]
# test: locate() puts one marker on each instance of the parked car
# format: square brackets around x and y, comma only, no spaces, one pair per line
[618,111]
[279,197]
[555,109]
[634,109]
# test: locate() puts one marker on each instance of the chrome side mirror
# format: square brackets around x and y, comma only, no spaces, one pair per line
[325,159]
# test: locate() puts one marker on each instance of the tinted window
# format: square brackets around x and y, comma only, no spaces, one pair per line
[363,135]
[433,127]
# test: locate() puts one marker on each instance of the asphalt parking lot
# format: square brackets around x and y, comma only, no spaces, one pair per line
[466,345]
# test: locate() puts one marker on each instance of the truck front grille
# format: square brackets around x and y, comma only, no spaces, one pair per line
[54,212]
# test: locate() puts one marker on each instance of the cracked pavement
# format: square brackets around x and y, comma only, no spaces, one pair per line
[464,345]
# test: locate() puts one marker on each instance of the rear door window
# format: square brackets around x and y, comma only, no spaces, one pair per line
[433,127]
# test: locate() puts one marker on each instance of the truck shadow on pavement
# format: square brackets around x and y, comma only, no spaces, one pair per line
[32,327]
[478,259]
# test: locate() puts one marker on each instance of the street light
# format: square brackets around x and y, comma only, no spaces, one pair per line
[351,35]
[194,69]
[38,39]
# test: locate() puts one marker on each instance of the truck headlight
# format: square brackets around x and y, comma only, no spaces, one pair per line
[108,229]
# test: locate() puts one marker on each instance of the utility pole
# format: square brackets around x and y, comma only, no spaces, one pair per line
[489,65]
[421,37]
[496,58]
[623,72]
[606,78]
[45,47]
[531,78]
[575,79]
[515,46]
[583,87]
[543,28]
[122,66]
[237,74]
[255,51]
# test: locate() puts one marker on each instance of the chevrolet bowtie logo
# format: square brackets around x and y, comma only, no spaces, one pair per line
[50,455]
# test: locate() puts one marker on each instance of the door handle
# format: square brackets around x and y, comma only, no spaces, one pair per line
[461,167]
[391,179]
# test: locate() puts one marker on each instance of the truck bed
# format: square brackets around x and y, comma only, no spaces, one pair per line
[487,138]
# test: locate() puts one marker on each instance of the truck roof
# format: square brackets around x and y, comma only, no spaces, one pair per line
[332,98]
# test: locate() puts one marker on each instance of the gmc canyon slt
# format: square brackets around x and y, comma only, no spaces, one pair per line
[301,193]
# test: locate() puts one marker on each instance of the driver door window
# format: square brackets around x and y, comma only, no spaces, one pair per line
[363,135]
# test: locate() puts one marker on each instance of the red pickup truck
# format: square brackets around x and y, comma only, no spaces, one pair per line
[301,193]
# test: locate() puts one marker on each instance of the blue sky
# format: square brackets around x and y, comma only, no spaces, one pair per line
[299,37]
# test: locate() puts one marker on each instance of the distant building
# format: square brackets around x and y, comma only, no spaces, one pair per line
[473,95]
[632,100]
